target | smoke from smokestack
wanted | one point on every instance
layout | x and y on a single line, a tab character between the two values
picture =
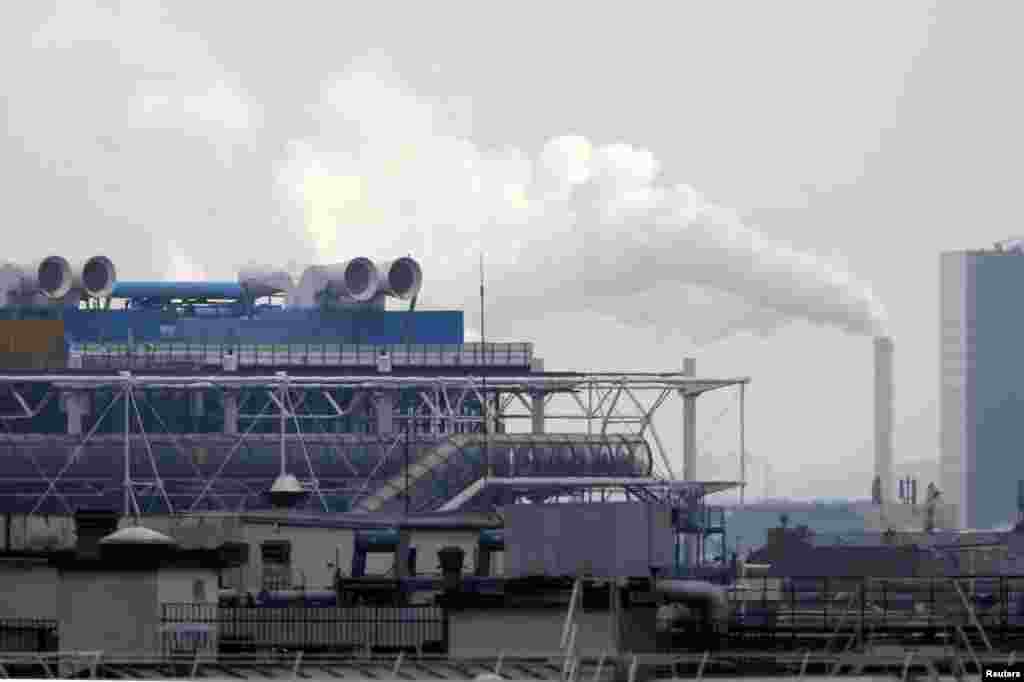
579	227
576	226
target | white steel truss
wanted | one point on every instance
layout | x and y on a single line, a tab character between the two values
607	403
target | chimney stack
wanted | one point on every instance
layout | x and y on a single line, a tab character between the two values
883	415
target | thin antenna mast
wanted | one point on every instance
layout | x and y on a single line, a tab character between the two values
483	348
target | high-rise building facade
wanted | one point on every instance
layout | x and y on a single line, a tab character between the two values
982	383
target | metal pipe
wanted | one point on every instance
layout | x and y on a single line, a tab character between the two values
707	595
127	452
743	443
54	277
96	277
356	279
262	280
504	383
400	278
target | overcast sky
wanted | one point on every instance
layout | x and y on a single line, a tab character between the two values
760	185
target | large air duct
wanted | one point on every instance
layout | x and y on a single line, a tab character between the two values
400	278
260	280
883	417
97	277
17	284
54	277
357	280
311	284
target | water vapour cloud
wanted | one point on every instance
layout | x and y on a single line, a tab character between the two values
576	226
128	135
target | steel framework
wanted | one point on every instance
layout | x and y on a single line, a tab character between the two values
453	431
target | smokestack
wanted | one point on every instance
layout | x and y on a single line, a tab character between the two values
883	415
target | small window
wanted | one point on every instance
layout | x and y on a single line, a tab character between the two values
199	590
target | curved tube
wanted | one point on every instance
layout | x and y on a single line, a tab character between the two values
311	283
356	279
54	277
400	278
712	598
97	277
16	283
262	280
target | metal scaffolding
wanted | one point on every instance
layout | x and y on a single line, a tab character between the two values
169	467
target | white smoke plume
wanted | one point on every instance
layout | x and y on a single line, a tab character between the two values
577	227
126	134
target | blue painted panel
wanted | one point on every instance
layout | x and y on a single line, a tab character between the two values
177	290
370	328
112	325
998	390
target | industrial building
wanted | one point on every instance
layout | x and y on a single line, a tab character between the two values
981	376
265	403
318	472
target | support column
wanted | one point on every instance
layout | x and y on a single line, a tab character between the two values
402	550
615	617
690	541
384	404
689	425
537	411
537	399
76	405
231	412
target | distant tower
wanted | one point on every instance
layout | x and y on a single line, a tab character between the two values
981	374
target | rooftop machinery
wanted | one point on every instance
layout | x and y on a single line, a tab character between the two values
355	282
342	303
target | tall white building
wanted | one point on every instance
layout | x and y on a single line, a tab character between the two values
982	383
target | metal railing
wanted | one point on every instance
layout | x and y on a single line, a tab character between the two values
556	666
914	608
143	355
28	634
296	628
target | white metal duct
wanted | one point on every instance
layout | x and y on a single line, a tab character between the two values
96	277
356	279
54	277
401	278
263	280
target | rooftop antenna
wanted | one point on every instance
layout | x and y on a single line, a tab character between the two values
483	349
